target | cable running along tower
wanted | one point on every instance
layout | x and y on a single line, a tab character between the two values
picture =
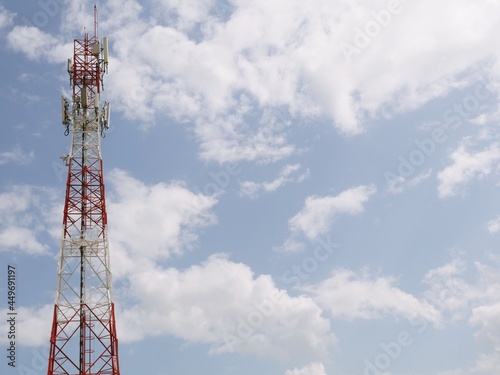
83	338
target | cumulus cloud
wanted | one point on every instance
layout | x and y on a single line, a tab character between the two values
447	289
318	212
221	71
219	65
315	368
26	214
152	222
317	215
472	300
466	166
485	318
6	17
398	184
35	323
16	156
347	295
31	41
457	293
286	175
231	138
223	304
493	226
219	302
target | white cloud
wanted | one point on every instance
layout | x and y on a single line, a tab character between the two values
22	238
451	292
6	17
26	214
30	40
494	225
185	15
315	368
37	44
486	364
219	303
251	188
220	77
201	62
466	166
399	184
33	325
347	295
488	336
487	317
317	215
151	223
17	156
448	291
223	304
231	138
291	245
476	302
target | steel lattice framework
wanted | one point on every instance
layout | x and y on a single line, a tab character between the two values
83	337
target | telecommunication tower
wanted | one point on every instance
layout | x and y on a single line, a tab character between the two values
83	339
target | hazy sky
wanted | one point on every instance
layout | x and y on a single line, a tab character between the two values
293	187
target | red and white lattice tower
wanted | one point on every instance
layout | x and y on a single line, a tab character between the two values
83	338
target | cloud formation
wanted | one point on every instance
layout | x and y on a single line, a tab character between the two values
472	300
252	188
219	302
35	323
16	156
6	17
347	295
315	368
466	166
152	222
318	214
223	304
216	65
27	213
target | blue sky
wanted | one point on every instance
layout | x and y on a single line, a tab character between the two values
293	188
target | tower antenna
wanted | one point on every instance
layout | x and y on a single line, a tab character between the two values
96	22
83	338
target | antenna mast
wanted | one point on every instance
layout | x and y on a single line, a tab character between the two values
95	21
83	339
